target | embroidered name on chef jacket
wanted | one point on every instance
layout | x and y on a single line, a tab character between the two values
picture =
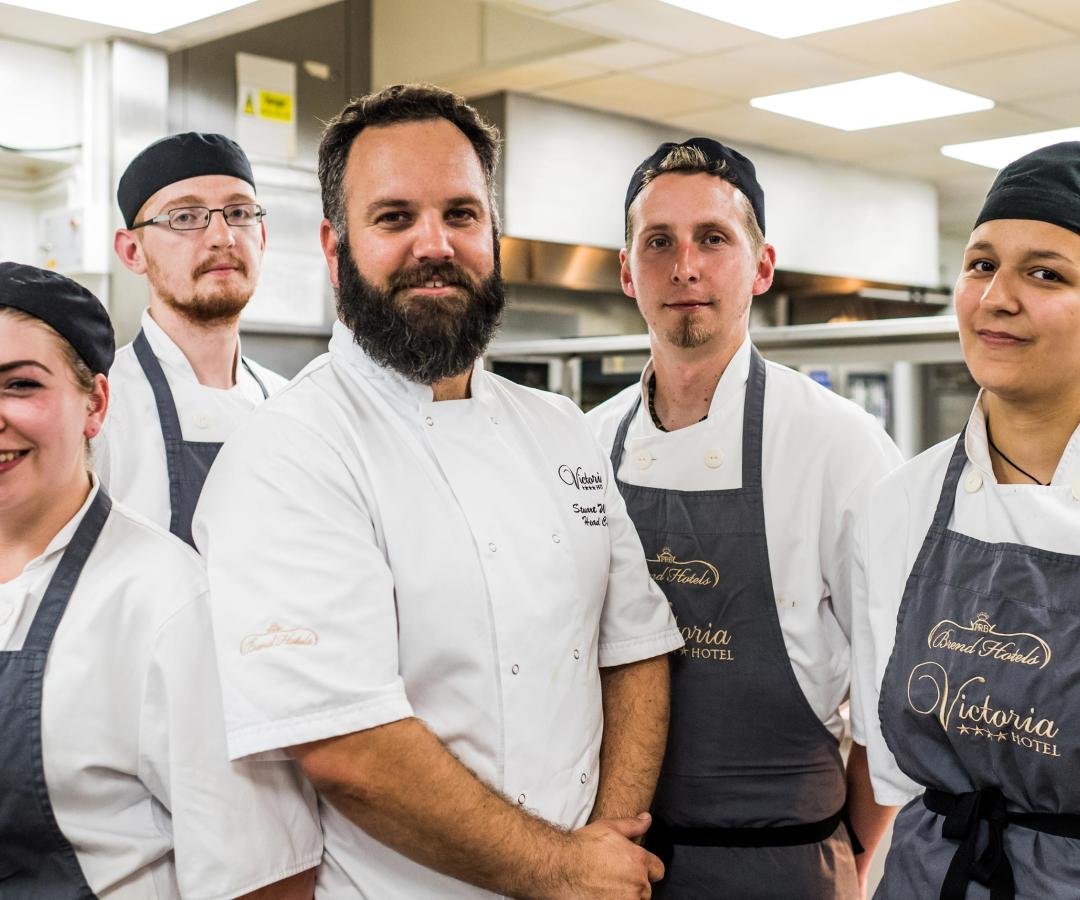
593	514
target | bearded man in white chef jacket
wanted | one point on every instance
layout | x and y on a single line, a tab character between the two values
426	588
742	478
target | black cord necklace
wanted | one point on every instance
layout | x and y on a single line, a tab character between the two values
997	450
652	405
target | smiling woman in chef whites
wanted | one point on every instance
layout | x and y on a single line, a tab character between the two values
114	780
967	687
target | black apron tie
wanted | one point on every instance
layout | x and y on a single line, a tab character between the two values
963	815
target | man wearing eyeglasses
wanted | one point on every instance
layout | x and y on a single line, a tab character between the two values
196	231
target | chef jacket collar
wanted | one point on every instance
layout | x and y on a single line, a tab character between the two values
731	382
977	448
169	353
63	537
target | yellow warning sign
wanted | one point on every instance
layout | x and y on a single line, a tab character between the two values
249	106
275	106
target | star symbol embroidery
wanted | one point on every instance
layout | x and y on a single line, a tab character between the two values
979	731
964	729
1001	735
683	651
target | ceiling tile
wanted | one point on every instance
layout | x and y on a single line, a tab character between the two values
1062	109
633	96
1014	76
618	56
1001	121
941	36
766	67
929	165
511	36
658	23
740	123
542	74
544	6
1060	12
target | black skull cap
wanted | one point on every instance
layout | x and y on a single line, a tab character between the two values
736	168
66	306
175	158
1043	185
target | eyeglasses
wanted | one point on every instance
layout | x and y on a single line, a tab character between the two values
194	218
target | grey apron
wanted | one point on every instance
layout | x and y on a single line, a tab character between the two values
36	860
188	461
751	793
980	705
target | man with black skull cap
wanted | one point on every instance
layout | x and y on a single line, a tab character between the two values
741	477
194	228
441	608
966	687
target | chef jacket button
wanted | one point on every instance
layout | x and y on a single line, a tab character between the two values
1076	489
577	654
521	799
643	459
584	777
973	482
201	420
492	547
515	668
429	420
555	538
713	458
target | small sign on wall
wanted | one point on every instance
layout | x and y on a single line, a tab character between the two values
266	107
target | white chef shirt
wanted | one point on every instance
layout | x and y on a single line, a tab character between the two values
890	533
376	555
129	453
134	750
821	455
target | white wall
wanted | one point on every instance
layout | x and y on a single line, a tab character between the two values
566	171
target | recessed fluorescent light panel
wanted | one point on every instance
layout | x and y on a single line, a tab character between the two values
792	18
1001	151
873	102
133	15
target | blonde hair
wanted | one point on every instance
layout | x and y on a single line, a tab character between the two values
689	160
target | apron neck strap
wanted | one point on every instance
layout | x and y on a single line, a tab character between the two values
947	498
753	421
163	399
66	576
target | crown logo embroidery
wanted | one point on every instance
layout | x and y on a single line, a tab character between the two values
981	622
665	556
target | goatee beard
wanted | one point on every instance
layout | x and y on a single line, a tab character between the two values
424	339
221	308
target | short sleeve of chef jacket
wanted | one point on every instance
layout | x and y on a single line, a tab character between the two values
289	545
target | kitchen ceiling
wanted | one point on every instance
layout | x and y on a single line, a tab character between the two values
651	60
663	63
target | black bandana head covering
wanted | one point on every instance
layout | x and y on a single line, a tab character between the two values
1043	185
175	158
69	308
739	171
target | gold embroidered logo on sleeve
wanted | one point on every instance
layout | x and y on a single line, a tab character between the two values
276	636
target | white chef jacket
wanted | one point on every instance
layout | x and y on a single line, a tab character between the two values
134	749
890	533
821	455
376	555
129	452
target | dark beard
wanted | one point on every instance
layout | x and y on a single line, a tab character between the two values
424	339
